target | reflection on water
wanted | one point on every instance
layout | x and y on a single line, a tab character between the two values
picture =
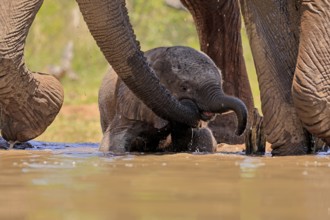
78	182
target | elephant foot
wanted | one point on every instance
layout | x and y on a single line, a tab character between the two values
203	141
22	146
318	145
29	102
292	150
7	145
255	140
302	145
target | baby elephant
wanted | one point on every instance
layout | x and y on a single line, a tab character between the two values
193	78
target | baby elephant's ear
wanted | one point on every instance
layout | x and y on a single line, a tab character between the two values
157	60
161	67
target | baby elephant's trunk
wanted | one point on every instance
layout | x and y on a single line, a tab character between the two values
222	103
227	103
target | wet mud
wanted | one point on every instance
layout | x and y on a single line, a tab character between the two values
75	181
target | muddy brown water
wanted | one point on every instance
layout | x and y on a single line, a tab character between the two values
75	181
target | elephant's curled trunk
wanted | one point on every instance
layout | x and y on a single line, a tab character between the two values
227	103
219	102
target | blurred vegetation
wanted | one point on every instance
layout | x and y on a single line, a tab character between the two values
60	21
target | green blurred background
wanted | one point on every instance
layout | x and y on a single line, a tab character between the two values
59	22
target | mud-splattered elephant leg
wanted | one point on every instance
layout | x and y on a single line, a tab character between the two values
203	141
126	135
255	139
218	23
187	139
119	136
273	30
311	83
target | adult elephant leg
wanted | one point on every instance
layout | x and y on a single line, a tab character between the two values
272	27
311	84
29	101
109	24
218	25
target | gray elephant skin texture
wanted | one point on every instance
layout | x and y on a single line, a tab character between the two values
289	42
191	77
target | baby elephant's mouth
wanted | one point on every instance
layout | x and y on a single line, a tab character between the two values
207	116
204	115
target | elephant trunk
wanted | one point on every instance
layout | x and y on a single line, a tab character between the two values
311	83
227	103
218	102
109	24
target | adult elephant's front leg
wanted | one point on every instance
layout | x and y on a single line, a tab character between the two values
273	30
218	24
311	85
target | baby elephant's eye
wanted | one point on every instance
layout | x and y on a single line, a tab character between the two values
184	88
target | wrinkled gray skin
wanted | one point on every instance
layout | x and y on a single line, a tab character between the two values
290	45
29	101
191	77
289	42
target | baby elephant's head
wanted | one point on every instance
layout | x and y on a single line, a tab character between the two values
192	75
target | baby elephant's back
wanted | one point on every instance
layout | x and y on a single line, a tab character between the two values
115	98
